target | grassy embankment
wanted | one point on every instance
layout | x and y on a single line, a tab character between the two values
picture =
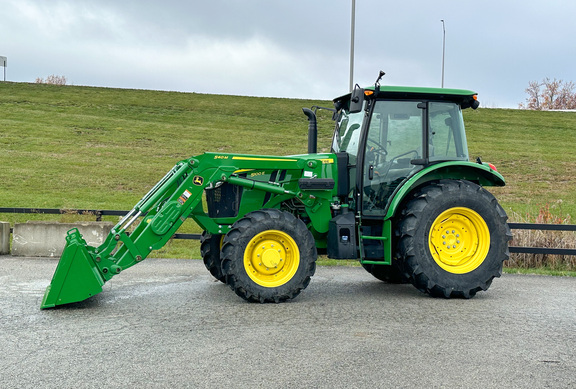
101	148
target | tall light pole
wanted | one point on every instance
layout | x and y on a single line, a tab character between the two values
352	24
443	48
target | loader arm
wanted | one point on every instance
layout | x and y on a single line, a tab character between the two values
83	269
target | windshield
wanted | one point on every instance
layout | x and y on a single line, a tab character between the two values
347	134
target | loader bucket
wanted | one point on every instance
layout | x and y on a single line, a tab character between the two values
76	277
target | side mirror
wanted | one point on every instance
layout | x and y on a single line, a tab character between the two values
357	99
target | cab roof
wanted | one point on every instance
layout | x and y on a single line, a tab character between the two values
410	92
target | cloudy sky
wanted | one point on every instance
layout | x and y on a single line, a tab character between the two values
290	48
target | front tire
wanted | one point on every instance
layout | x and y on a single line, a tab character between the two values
452	239
210	250
268	256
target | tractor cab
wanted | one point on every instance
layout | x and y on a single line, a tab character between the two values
392	133
396	140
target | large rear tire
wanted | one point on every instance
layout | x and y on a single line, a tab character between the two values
268	256
210	250
452	239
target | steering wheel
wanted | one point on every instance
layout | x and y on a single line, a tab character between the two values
378	149
375	153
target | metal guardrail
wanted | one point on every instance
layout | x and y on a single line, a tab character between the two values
542	227
514	226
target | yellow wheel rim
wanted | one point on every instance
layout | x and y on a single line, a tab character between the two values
271	258
459	240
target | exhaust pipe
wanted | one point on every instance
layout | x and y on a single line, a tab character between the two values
312	131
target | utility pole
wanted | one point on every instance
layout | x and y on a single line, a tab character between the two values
443	48
352	24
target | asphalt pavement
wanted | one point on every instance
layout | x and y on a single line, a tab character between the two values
166	323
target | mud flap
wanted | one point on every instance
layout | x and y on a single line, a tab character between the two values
76	277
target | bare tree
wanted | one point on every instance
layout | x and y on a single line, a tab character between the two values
566	97
534	96
52	79
550	94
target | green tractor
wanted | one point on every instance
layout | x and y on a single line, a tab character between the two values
397	192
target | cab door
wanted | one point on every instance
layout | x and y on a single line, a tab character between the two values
392	149
393	143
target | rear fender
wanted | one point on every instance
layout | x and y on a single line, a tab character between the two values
481	174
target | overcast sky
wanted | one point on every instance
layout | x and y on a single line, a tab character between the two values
290	48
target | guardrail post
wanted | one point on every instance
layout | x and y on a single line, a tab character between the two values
4	238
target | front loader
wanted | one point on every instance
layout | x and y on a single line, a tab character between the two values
397	192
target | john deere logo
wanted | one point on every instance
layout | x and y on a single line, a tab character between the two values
198	180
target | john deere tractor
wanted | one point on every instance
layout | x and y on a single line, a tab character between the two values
397	192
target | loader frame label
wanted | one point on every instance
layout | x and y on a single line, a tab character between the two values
185	196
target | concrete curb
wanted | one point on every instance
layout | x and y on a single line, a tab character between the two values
47	239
